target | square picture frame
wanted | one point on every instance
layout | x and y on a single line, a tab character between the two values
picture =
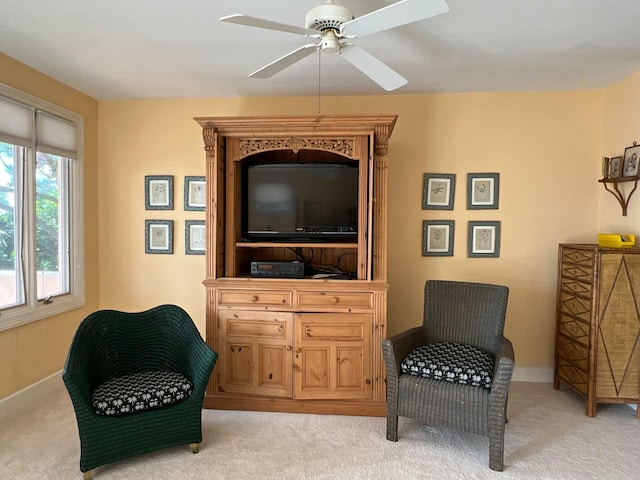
195	193
483	239
195	237
437	238
631	159
483	191
438	191
615	167
158	192
158	237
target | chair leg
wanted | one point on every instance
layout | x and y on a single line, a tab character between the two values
195	447
392	427
496	447
88	475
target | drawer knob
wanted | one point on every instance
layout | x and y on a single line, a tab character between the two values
254	298
335	299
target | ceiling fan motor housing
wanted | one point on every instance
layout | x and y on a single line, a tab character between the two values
328	16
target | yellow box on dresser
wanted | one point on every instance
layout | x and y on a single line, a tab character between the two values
597	347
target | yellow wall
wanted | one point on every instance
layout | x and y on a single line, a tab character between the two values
546	147
34	351
621	127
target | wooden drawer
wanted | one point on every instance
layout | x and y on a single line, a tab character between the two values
575	329
575	306
569	351
264	298
335	300
577	264
255	324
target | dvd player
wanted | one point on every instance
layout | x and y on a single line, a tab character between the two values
277	269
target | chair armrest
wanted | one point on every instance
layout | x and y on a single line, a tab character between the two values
200	361
505	362
397	347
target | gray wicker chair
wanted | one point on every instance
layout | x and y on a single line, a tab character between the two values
460	314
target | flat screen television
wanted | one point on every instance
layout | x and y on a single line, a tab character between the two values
297	202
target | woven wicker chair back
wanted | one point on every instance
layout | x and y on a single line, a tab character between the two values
465	312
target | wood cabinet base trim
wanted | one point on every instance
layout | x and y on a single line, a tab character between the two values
364	408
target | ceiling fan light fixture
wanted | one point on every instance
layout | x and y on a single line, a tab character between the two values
328	16
330	42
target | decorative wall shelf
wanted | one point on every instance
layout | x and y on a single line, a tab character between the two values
623	199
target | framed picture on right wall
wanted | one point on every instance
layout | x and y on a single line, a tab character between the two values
483	191
483	239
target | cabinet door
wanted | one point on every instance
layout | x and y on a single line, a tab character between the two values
256	352
332	357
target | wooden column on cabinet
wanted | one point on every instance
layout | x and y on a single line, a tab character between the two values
341	322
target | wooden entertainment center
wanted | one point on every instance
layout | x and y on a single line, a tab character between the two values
296	344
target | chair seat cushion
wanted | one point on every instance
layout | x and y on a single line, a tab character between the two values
140	391
452	362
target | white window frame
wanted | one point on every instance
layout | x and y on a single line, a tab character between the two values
35	309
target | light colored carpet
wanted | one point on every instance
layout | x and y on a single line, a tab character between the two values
548	437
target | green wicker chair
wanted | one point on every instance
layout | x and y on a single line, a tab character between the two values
110	345
455	369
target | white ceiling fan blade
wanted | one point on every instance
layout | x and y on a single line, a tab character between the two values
249	21
394	15
285	61
373	68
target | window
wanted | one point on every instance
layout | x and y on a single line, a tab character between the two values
41	196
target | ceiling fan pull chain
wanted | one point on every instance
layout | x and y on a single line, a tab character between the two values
319	76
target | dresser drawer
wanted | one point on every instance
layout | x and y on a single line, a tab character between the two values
575	329
255	323
347	300
571	352
577	264
258	298
573	305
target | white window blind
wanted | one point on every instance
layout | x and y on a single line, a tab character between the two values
55	135
16	122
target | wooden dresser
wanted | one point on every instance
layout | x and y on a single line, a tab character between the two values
597	345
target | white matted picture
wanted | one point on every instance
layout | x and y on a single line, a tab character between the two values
438	191
195	237
483	191
158	236
484	239
630	162
158	192
437	238
195	193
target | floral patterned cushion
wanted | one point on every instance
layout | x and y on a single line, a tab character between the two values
452	362
140	391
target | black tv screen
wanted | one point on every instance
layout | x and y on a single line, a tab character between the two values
300	202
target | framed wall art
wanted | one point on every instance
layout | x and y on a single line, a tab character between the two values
195	193
438	191
483	191
437	238
630	162
158	236
195	237
483	239
158	192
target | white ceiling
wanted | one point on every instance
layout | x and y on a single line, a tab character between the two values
124	49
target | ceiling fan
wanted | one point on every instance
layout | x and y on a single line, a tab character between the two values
335	28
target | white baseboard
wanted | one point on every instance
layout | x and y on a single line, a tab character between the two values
18	401
524	373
